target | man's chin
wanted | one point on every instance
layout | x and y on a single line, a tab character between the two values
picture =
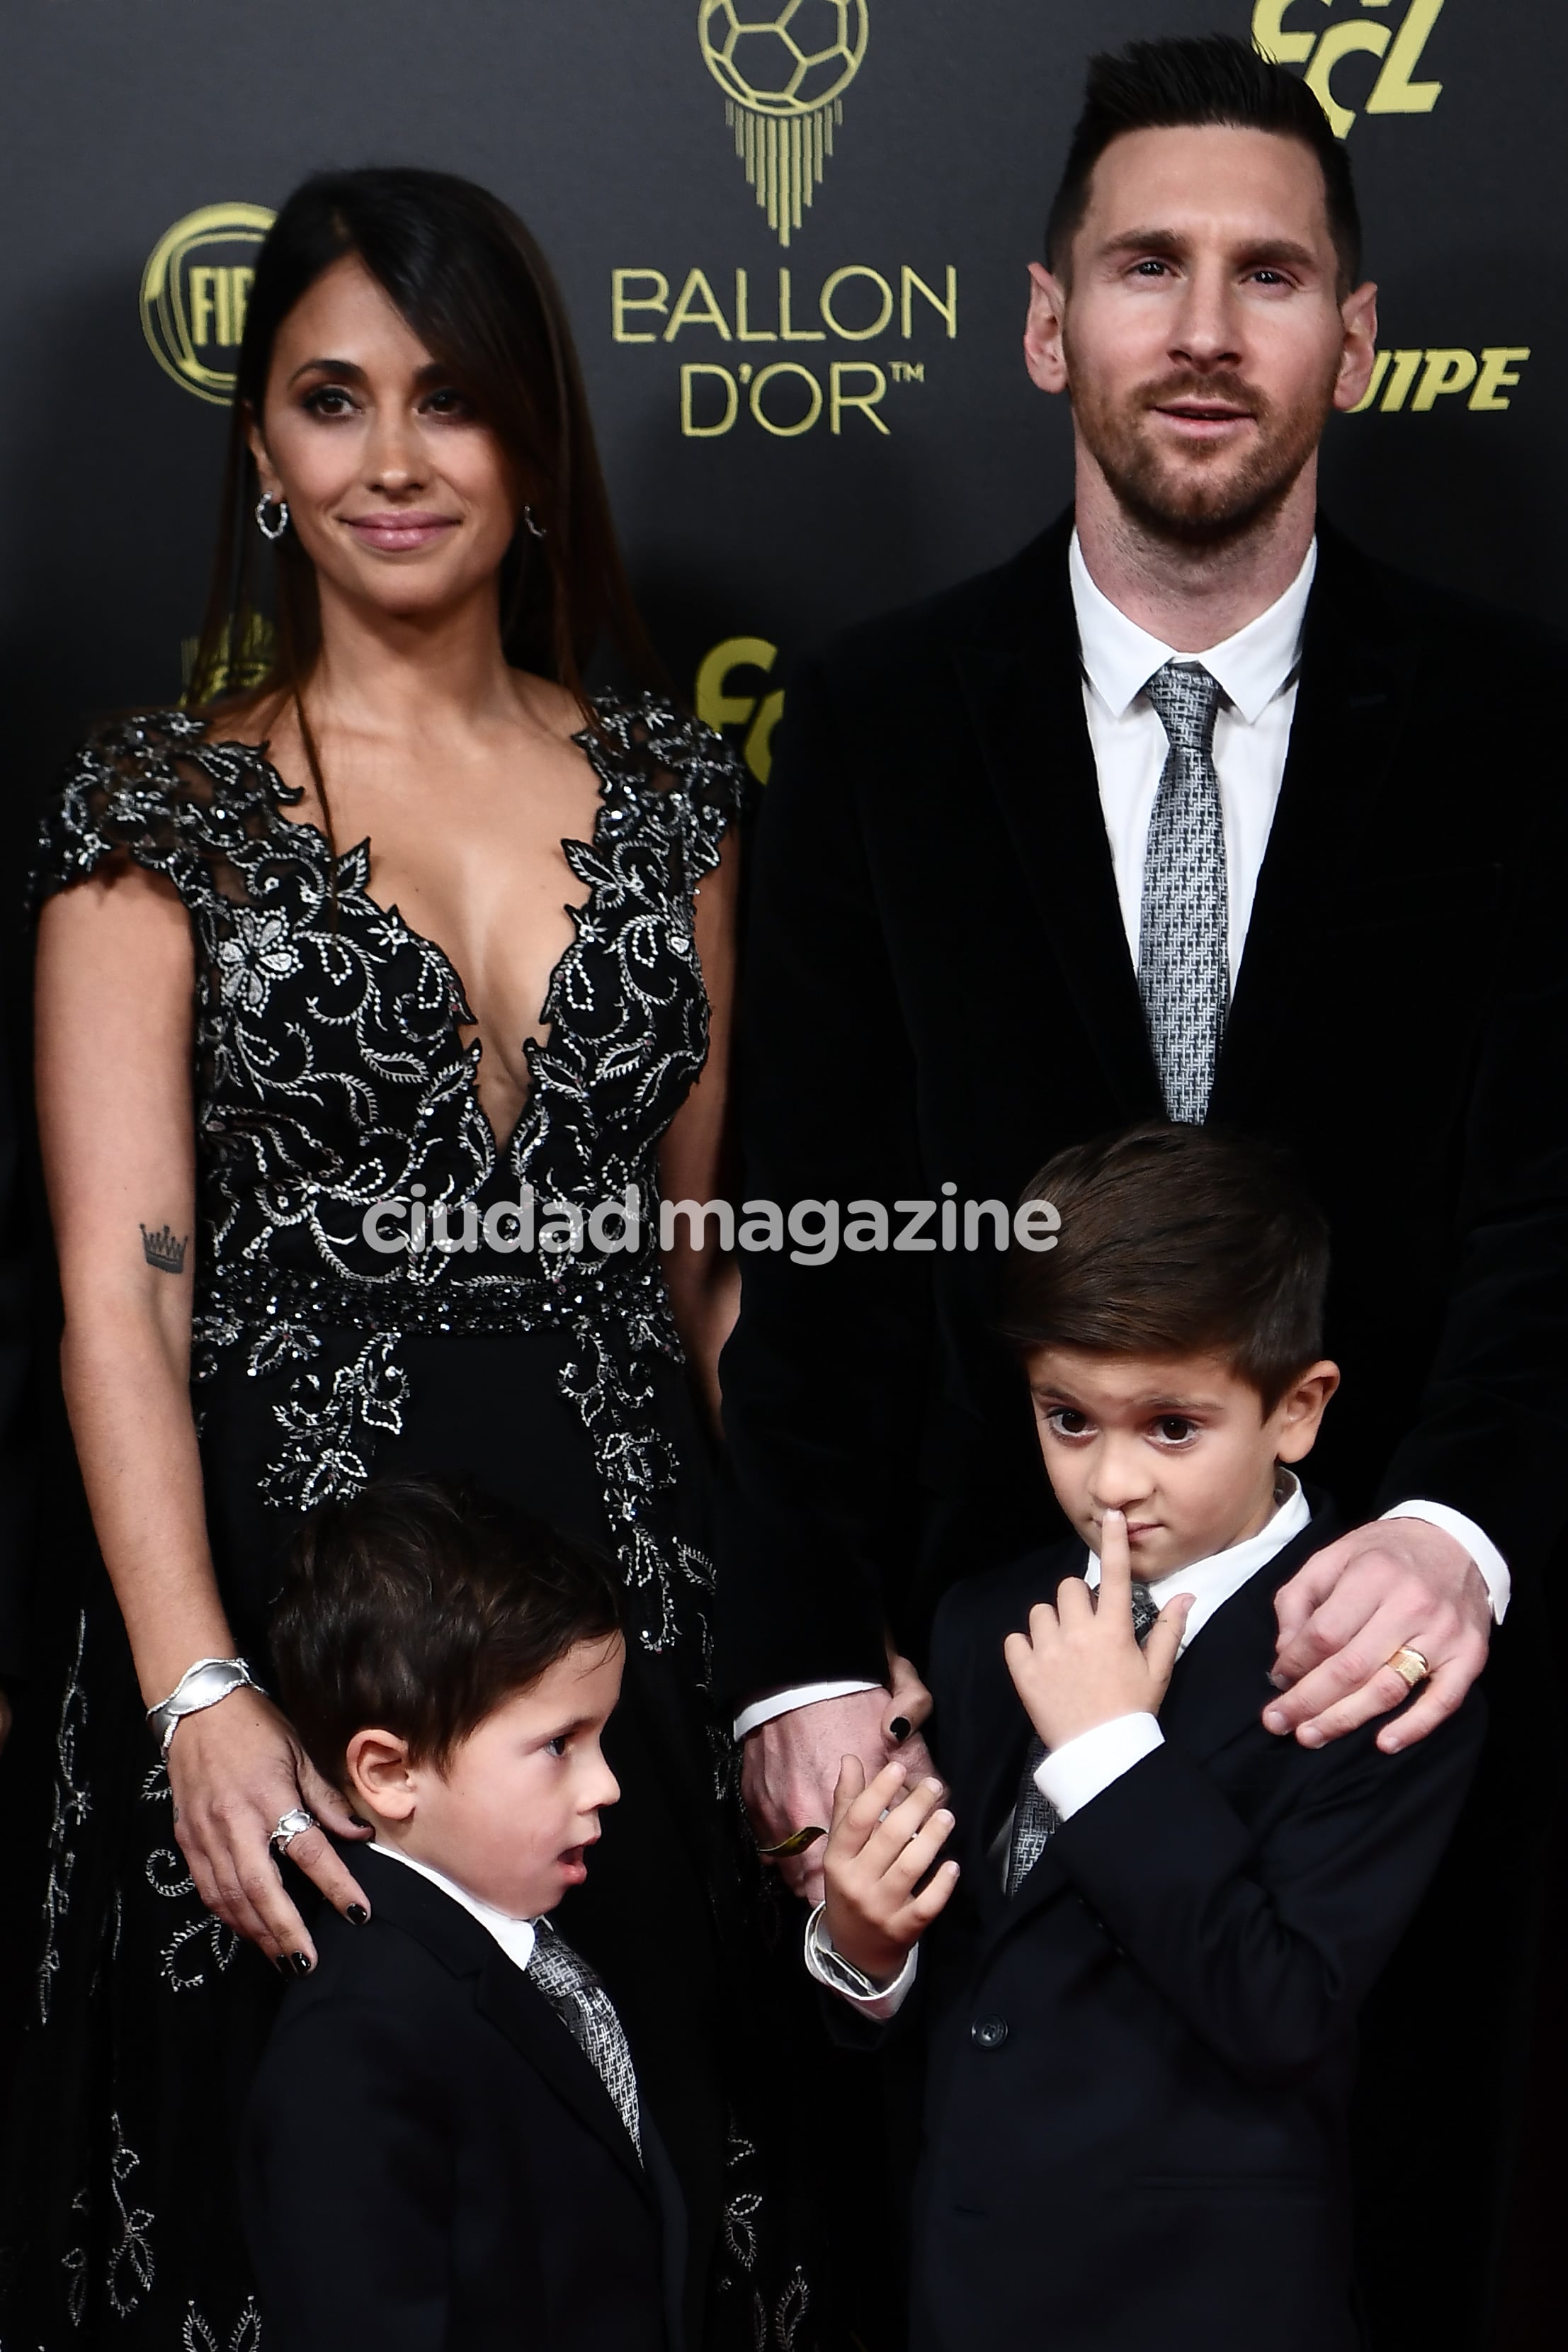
1199	511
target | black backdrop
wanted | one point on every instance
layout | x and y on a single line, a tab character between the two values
603	122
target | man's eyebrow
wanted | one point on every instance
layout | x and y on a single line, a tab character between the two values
1260	252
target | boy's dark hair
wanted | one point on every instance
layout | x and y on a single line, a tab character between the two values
1176	1241
419	1606
1177	85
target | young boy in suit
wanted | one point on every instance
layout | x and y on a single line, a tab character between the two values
445	2145
1143	2010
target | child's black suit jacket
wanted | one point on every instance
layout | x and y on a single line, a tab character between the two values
1142	2062
432	2165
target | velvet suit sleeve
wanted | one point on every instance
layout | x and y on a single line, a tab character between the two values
1493	1422
822	1376
1266	1943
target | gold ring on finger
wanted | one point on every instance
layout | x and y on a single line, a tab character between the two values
1410	1666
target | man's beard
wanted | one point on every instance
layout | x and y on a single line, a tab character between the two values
1200	497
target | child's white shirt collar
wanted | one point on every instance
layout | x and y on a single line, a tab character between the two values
516	1937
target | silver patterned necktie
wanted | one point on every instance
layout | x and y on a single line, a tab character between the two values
587	2012
1183	966
1035	1819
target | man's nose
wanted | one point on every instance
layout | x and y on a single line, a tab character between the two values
1207	328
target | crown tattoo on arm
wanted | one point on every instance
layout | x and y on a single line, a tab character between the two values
163	1250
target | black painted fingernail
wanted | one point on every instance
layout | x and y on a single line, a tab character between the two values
357	1914
901	1727
299	1964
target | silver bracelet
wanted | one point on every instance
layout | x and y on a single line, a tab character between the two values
200	1686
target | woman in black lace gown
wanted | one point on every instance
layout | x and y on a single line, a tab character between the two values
293	1143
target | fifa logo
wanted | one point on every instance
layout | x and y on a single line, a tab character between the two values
783	67
194	294
1399	46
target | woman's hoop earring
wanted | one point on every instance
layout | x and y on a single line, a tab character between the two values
538	529
272	518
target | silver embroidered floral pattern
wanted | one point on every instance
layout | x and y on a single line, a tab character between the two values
331	1075
72	1805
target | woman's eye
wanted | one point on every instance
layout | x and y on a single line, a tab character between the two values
330	400
448	402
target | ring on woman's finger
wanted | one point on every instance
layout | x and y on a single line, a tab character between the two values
290	1825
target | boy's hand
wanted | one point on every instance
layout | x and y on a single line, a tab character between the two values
873	1866
1080	1665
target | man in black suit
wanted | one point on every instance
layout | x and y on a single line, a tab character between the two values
1143	2010
1189	808
445	2144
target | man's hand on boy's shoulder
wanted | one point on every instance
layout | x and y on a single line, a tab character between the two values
1080	1665
1394	1585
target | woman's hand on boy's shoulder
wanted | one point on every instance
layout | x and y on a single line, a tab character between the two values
1080	1664
885	1838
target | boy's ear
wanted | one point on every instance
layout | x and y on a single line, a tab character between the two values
1299	1413
380	1779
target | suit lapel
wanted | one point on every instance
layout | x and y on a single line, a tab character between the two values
503	1993
1022	683
1357	674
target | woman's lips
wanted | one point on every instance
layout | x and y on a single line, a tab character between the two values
398	534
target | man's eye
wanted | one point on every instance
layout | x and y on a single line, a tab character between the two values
1150	268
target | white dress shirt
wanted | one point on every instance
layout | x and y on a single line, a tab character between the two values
516	1937
1257	670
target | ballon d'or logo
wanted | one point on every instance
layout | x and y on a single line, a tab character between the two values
783	67
194	293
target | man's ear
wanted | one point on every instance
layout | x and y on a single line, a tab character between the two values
380	1779
1358	312
1299	1414
1042	353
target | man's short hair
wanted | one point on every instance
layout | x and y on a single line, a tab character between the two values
1179	85
1176	1241
419	1606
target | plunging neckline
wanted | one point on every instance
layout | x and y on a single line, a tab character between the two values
502	1149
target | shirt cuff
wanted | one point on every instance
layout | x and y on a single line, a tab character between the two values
878	2003
1077	1771
785	1702
1493	1568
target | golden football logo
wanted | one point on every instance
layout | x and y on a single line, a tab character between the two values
783	67
194	294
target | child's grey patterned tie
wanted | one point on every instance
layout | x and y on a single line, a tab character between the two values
1035	1818
1183	971
587	2012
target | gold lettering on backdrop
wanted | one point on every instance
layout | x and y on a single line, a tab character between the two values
686	313
787	432
841	278
1400	46
947	309
843	399
194	290
1501	363
623	300
689	426
743	330
787	333
1443	372
718	709
783	68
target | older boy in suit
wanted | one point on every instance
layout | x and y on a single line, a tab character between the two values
446	2145
1144	2017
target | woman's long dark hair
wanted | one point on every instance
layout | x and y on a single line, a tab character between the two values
474	288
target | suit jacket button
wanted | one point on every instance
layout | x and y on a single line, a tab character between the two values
989	2033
